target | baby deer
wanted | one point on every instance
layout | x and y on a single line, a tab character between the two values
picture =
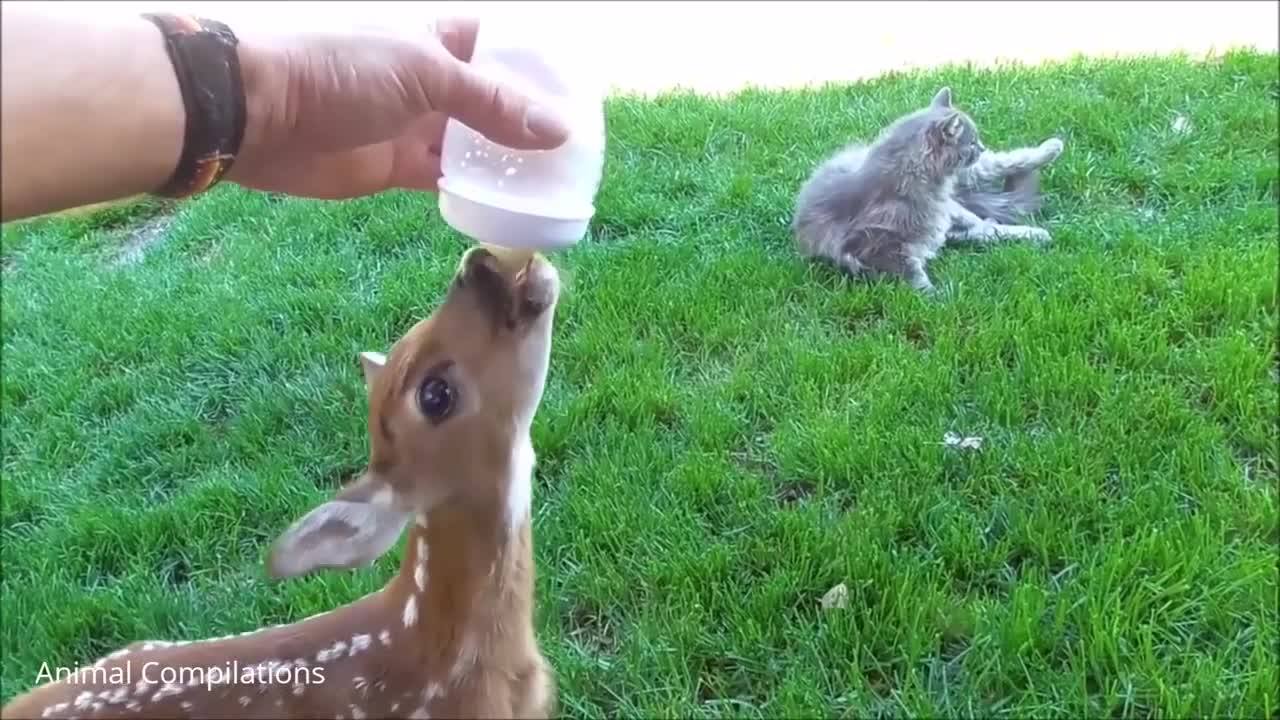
451	635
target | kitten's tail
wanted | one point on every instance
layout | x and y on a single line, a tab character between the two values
1020	196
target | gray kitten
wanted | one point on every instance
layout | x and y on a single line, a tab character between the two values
890	206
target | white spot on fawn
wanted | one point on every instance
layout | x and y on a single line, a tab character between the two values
356	713
411	611
332	653
520	484
186	705
134	706
244	701
142	688
118	695
395	706
384	637
83	699
420	572
166	691
359	643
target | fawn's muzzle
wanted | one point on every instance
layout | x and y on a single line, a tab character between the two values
510	294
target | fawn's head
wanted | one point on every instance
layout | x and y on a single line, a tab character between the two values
450	408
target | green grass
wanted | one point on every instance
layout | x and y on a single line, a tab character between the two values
729	431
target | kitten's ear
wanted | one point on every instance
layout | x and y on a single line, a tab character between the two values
943	98
953	127
946	130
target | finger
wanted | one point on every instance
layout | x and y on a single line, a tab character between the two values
430	130
415	158
458	35
499	112
416	167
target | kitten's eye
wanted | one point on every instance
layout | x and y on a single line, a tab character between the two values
435	398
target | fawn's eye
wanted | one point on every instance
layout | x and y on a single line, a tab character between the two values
435	398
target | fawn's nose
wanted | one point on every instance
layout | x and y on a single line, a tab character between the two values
538	284
473	260
510	291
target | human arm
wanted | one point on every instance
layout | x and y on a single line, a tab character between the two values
328	115
91	111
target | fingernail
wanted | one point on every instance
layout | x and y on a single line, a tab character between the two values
546	124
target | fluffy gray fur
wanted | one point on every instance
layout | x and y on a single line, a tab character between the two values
927	180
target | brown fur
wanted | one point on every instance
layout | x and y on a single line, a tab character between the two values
467	647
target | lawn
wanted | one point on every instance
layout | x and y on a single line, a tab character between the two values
729	431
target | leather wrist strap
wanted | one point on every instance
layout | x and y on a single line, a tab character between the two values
207	65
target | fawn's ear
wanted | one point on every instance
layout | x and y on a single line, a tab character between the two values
943	98
372	362
350	531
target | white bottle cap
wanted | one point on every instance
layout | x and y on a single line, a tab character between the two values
489	223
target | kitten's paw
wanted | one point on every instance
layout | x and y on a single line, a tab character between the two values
849	263
1050	149
1039	236
924	287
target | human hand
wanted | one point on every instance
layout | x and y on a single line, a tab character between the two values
344	115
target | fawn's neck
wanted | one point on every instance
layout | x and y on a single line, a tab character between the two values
465	588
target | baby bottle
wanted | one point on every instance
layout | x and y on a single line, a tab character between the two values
526	201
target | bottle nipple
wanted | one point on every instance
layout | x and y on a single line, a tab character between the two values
511	259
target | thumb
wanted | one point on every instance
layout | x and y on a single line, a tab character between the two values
498	111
